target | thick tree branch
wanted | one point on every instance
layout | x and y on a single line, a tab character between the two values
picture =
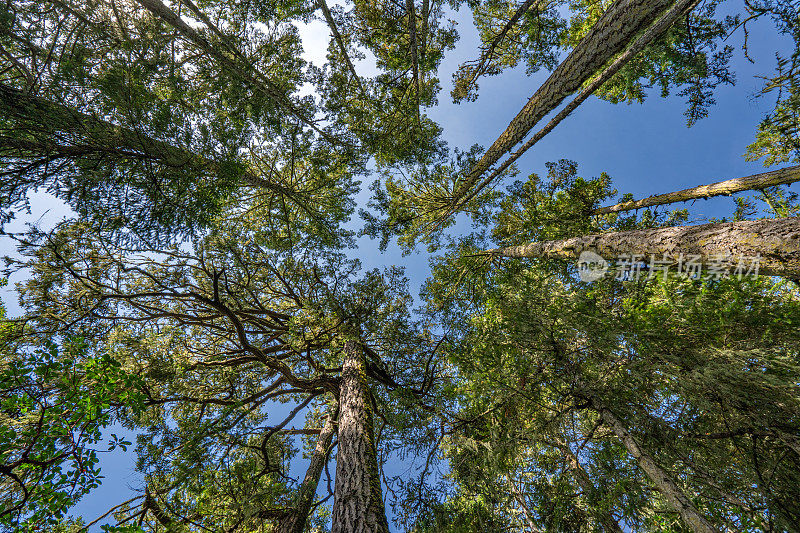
720	188
775	241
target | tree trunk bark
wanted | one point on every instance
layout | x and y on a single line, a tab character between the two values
660	478
717	245
523	505
326	12
412	37
357	499
151	504
607	38
720	188
642	41
295	521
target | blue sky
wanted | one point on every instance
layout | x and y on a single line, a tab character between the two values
646	149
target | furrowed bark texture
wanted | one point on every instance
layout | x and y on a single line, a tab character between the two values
607	38
357	500
660	478
658	28
295	521
720	188
777	241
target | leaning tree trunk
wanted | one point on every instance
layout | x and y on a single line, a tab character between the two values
295	520
337	36
612	33
151	504
720	188
660	478
526	511
357	500
718	245
60	131
667	19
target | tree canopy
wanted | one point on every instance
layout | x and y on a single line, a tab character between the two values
204	308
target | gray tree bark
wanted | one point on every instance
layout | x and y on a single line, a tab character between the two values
357	499
642	41
720	188
660	478
608	37
776	241
295	521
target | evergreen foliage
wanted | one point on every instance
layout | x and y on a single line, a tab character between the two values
203	299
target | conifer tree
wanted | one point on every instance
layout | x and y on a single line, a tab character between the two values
204	295
649	386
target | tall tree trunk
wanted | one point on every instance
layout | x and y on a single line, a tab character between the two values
337	36
609	524
679	8
777	241
78	133
295	521
720	188
660	478
610	36
357	499
523	505
151	504
412	37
